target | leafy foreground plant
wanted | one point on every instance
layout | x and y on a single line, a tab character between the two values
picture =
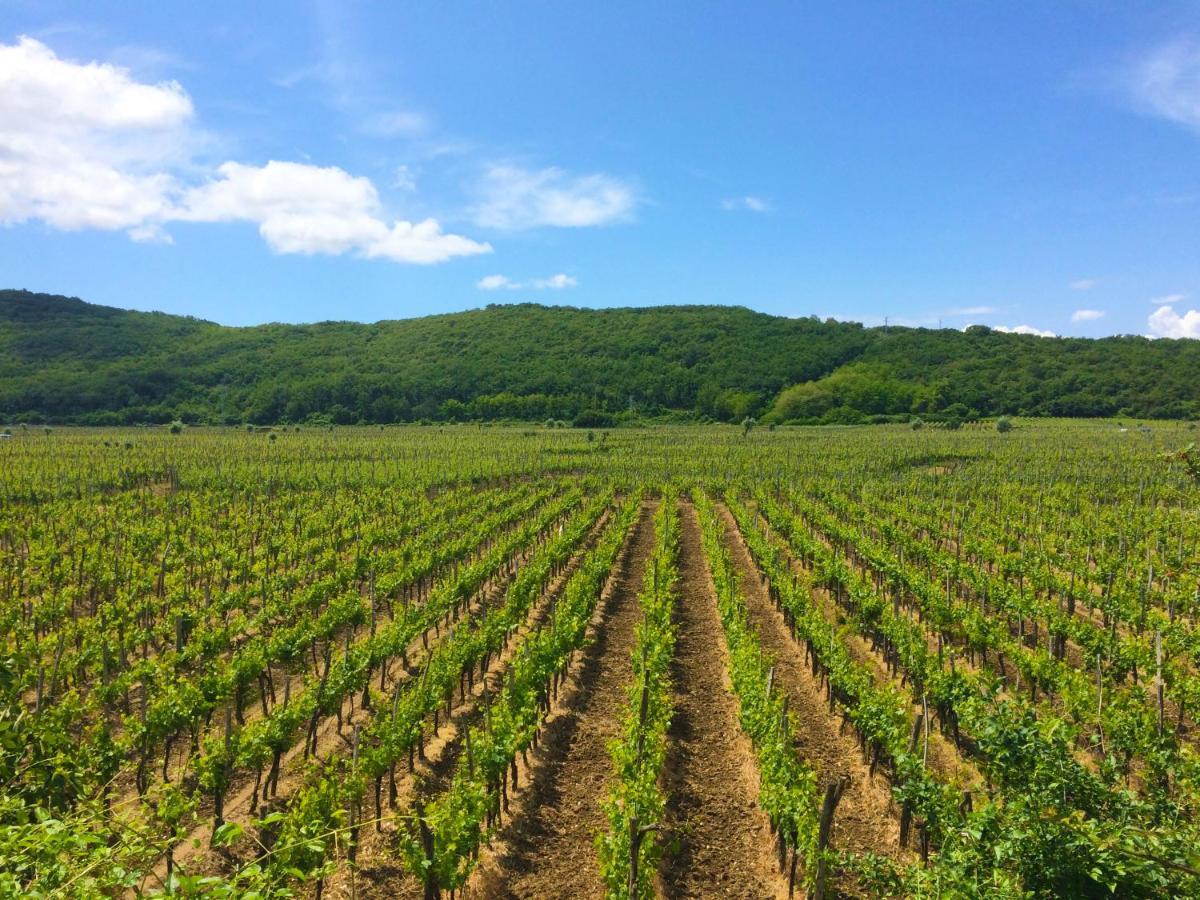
635	804
788	787
441	842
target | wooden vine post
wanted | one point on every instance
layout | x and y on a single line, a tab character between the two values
833	794
1158	677
432	892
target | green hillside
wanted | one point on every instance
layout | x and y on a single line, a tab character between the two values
63	360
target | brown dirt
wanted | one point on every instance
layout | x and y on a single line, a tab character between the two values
864	819
380	873
717	842
943	758
193	852
548	848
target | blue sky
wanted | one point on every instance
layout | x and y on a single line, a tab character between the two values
1010	164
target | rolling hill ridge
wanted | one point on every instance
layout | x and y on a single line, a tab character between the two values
66	361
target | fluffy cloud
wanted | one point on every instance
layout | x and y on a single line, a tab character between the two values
301	208
1165	322
87	146
84	146
1084	284
1024	329
1166	82
516	199
753	204
503	282
495	283
1087	315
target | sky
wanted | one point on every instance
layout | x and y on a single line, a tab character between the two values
1024	166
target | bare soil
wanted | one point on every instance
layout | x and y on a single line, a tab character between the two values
547	850
865	818
193	852
717	841
942	756
381	874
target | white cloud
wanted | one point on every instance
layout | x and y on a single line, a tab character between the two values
1087	315
515	199
86	146
395	124
503	282
971	311
301	208
52	95
1169	299
83	146
1165	322
495	283
1024	329
1166	82
753	204
554	282
1084	284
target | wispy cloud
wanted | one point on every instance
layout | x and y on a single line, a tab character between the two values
516	199
1084	284
1169	299
404	179
1024	329
345	77
749	203
1165	81
398	123
1087	315
971	311
1165	322
502	282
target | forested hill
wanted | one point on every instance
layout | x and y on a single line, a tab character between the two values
63	360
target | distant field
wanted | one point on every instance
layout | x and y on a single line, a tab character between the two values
506	662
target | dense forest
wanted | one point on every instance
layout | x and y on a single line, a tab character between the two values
66	361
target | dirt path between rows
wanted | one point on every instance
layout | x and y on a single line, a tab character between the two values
548	848
864	819
942	756
381	873
717	842
193	853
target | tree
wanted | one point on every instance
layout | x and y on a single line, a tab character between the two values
1190	457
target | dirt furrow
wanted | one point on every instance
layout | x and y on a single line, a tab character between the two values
864	819
379	871
942	756
333	739
717	841
548	847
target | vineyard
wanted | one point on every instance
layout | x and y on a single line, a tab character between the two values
472	661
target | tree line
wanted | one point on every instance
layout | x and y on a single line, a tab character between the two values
66	361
